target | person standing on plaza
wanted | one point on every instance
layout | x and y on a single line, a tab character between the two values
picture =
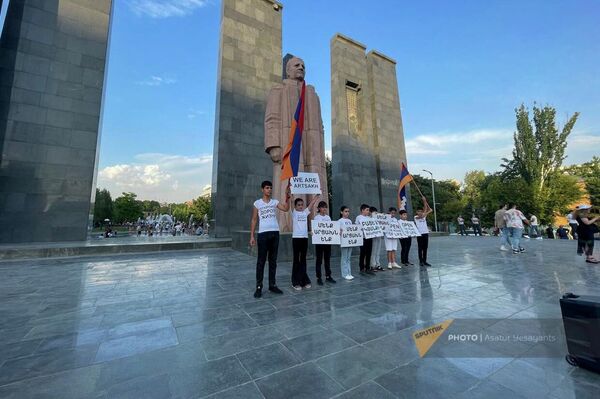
585	232
514	221
346	253
534	231
377	243
461	225
264	213
322	251
423	239
571	219
391	244
562	233
364	259
476	226
300	214
550	232
405	243
500	224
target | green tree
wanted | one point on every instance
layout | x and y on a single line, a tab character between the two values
473	185
127	208
201	206
181	212
103	206
590	173
448	198
151	206
537	158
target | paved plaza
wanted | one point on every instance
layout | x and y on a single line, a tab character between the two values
185	325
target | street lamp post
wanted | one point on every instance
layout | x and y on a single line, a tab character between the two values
433	194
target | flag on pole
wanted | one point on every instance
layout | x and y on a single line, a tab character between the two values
405	178
291	157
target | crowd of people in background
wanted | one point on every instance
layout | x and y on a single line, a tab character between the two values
166	225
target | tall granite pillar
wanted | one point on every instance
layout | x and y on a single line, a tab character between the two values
387	125
249	65
367	134
353	145
52	64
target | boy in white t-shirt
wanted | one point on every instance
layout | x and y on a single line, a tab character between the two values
423	239
264	213
323	251
391	244
300	242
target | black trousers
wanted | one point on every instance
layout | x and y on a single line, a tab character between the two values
405	249
422	244
364	259
299	276
268	245
461	228
476	229
323	253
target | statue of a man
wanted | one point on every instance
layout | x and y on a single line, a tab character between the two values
281	106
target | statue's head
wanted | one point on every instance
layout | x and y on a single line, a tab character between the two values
294	69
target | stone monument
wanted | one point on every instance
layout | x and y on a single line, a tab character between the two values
52	65
367	133
281	106
249	65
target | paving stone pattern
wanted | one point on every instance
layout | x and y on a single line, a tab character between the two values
185	325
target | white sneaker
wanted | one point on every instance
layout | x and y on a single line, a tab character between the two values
349	277
503	248
297	287
390	265
397	266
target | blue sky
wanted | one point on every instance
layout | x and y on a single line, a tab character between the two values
463	66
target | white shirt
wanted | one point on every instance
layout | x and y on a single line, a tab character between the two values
345	222
571	220
514	218
300	223
475	220
534	221
422	225
267	219
319	218
461	221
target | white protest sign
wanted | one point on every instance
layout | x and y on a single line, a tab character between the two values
325	233
393	230
409	228
306	183
383	219
371	228
352	236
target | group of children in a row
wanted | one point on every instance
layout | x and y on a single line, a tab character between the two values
370	251
264	215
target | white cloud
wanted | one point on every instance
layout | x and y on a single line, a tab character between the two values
444	143
194	113
449	155
162	177
157	81
165	8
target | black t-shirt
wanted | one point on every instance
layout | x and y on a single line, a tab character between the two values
585	231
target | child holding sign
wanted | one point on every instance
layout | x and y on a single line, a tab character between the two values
323	251
376	251
364	260
405	243
345	252
391	243
300	243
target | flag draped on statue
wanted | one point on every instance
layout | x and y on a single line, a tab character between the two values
405	178
291	157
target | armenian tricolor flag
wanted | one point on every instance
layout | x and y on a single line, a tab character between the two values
405	178
291	157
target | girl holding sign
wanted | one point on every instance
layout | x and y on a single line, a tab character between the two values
323	251
391	243
345	252
300	242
